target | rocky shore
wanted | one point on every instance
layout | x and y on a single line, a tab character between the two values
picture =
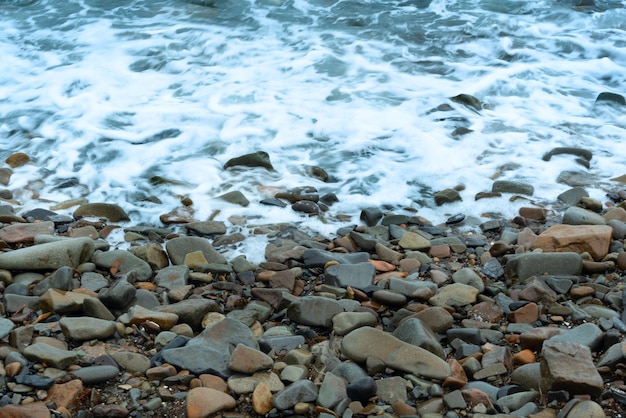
390	317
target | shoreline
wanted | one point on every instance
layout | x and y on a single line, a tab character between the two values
394	317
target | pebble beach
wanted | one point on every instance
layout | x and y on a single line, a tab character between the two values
389	316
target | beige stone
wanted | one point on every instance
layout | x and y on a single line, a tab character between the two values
593	239
262	399
203	402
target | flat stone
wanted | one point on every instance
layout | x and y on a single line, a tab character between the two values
203	402
112	212
33	410
25	232
85	328
359	275
123	262
319	258
52	356
415	332
172	277
248	360
566	365
344	322
132	362
587	334
190	311
575	215
314	311
49	256
332	391
469	277
138	315
297	392
245	384
593	239
367	342
455	294
526	265
93	375
178	248
413	241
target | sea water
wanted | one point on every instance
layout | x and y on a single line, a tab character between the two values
105	96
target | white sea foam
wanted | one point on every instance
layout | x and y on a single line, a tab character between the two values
107	95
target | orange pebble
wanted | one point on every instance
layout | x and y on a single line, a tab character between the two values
524	357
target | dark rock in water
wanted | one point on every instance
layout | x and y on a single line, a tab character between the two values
255	159
299	193
572	196
468	100
395	220
447	196
38	214
317	172
329	198
306	206
460	131
112	212
611	98
272	201
579	152
371	216
576	178
455	219
235	197
505	186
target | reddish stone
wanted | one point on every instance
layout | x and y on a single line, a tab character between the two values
32	410
66	394
593	239
486	312
440	251
527	314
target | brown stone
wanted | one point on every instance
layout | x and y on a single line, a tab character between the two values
66	394
203	402
32	410
616	213
581	291
248	360
593	239
476	396
486	312
527	314
262	399
214	382
440	251
17	160
536	214
538	291
566	365
524	357
283	279
21	232
534	338
110	411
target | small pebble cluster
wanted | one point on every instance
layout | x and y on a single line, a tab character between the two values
391	317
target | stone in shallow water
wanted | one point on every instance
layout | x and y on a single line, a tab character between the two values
367	342
112	212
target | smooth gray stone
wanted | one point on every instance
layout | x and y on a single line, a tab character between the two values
14	302
332	391
95	308
21	289
172	277
52	356
360	275
455	243
318	258
147	299
587	334
118	295
415	332
93	375
93	281
407	287
366	242
300	391
314	311
517	400
488	388
125	262
527	376
61	279
199	359
206	227
515	187
6	325
49	256
132	362
597	311
619	228
575	215
527	265
349	371
492	269
178	248
84	328
525	410
613	355
573	195
281	344
469	277
256	310
454	400
560	284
